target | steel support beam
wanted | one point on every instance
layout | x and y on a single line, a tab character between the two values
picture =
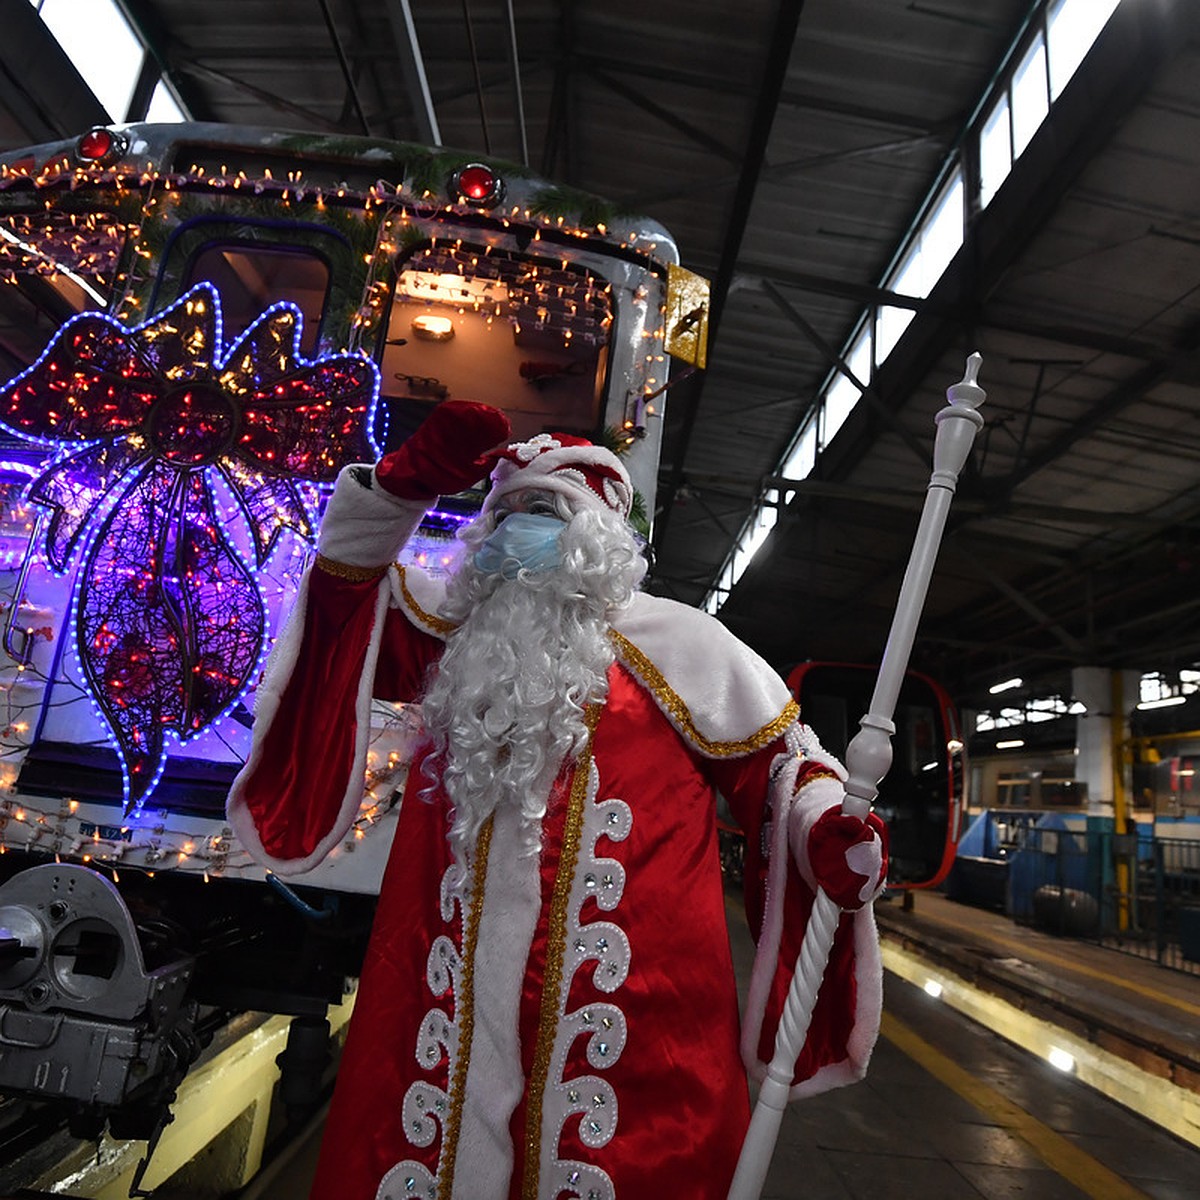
881	410
315	119
39	86
680	124
558	117
688	395
171	59
1123	64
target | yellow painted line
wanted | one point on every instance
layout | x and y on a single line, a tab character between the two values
1063	1157
238	1078
1024	949
1166	1104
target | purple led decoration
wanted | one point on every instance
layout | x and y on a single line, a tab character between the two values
170	621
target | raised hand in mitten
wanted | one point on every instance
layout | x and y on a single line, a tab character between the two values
849	857
446	454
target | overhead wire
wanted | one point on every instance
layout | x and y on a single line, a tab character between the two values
466	9
518	95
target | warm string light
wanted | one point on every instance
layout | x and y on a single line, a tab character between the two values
244	488
67	833
160	190
543	295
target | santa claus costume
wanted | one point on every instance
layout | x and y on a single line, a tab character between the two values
548	1007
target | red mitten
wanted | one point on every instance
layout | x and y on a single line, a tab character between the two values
446	454
849	857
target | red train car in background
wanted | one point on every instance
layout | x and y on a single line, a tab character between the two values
922	797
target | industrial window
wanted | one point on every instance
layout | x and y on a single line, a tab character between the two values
995	150
98	40
1071	28
1046	66
1063	32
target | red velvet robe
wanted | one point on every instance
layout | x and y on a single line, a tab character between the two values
570	1027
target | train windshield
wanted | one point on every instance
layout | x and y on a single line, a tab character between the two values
526	333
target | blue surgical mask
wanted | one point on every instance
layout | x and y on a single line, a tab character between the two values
521	541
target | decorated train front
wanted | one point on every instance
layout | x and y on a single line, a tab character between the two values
200	326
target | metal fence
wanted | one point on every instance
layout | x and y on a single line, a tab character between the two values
1137	894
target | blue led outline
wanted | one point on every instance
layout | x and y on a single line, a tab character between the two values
104	503
139	477
229	508
264	553
84	550
19	468
298	360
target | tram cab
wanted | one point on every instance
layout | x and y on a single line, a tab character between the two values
201	325
921	797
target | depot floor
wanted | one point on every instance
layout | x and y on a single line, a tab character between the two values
949	1109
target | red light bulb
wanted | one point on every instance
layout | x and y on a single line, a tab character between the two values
478	183
95	145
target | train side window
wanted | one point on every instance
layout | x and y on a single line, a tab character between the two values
251	277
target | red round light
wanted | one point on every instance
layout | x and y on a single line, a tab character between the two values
95	145
478	183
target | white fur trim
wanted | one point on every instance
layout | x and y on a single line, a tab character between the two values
270	693
729	694
366	527
495	1081
792	817
766	953
550	471
719	695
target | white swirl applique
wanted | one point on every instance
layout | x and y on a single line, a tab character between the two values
425	1106
405	1181
615	494
604	944
526	452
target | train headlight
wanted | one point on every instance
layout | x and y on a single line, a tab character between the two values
100	145
478	184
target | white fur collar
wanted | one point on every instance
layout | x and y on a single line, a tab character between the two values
722	697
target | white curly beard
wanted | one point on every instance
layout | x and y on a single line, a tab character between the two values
507	706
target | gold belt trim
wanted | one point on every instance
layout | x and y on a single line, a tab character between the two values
431	621
556	945
353	574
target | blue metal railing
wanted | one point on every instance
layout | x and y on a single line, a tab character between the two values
1075	876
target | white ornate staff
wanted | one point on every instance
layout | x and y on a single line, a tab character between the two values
868	758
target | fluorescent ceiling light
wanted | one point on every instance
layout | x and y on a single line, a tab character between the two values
1006	686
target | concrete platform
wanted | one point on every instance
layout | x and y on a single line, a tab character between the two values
952	1111
1133	1026
960	1103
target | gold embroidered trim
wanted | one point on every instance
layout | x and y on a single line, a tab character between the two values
817	773
434	624
353	574
464	1006
673	704
556	945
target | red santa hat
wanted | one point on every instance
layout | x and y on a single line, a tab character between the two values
566	465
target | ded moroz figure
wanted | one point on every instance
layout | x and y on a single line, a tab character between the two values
548	1006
